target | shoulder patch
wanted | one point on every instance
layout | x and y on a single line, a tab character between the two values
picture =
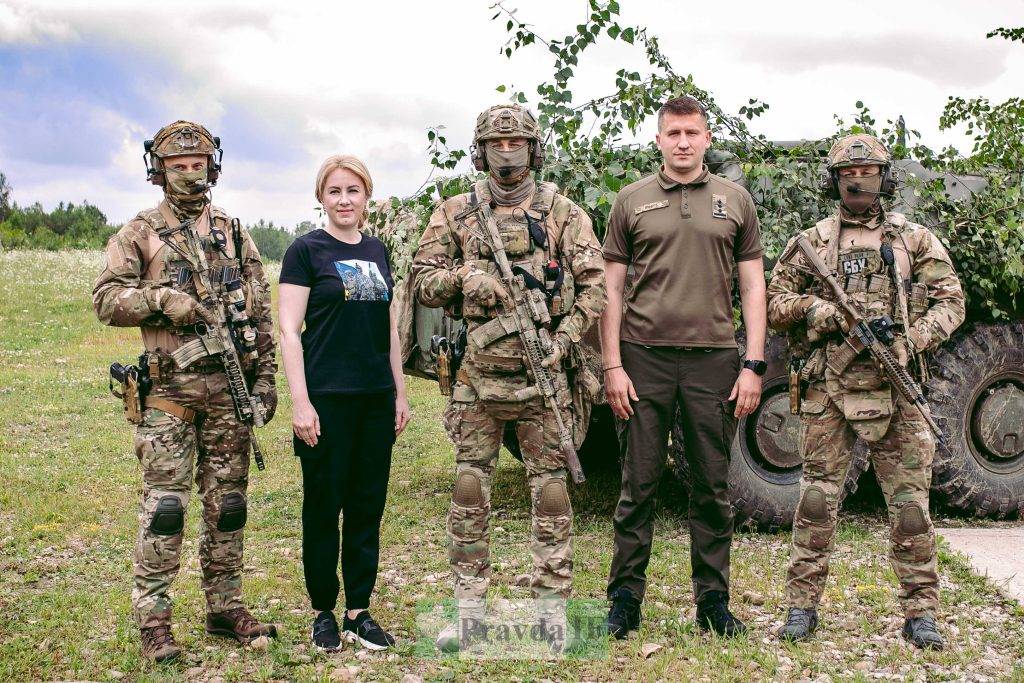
650	206
718	204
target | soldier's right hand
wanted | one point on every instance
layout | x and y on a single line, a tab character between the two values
305	422
481	287
181	308
618	387
823	317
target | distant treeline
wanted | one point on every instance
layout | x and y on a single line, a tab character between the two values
83	226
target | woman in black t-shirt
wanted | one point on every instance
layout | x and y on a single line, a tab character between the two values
348	393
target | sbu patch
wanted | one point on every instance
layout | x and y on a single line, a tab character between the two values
718	203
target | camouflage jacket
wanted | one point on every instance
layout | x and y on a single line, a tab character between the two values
452	238
935	298
137	262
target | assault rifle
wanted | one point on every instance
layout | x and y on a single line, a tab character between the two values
531	317
219	336
869	335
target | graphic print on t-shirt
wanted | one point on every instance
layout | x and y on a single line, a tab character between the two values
362	280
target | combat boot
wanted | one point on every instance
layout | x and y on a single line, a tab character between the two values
800	624
922	633
713	615
623	615
468	628
238	624
158	644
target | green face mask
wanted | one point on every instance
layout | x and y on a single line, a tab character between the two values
186	190
508	168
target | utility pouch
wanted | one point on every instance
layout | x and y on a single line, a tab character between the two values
131	391
838	356
794	385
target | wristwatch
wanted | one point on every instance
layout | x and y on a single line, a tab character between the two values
758	366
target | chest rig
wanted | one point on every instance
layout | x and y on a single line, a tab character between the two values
222	262
531	238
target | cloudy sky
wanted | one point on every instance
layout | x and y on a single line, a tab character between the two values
285	84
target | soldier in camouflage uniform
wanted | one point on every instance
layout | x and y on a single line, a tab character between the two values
846	395
551	239
188	427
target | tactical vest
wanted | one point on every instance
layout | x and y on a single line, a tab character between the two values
855	382
523	232
170	269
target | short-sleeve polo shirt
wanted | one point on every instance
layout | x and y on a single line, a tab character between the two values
682	241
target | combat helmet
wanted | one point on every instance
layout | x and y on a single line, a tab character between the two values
858	150
508	120
179	139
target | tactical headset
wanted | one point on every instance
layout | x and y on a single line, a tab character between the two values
154	163
479	156
829	181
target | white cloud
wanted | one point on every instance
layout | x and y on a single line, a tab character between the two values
286	85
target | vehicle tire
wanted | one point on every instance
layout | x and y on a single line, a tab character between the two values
599	451
765	467
976	393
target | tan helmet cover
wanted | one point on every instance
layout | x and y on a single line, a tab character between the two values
858	150
506	121
181	138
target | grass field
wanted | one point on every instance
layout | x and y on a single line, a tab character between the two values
69	488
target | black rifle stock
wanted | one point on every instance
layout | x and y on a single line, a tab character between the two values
530	313
861	335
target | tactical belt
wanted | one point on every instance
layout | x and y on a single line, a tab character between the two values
171	408
167	365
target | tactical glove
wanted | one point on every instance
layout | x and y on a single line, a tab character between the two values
267	393
560	348
179	307
823	317
481	287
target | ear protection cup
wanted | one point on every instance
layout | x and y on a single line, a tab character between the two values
829	183
478	157
537	155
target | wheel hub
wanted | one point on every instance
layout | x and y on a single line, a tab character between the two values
998	422
778	432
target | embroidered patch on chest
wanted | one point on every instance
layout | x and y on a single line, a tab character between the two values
858	261
718	204
649	206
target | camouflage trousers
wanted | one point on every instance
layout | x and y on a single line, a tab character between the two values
902	461
477	427
171	452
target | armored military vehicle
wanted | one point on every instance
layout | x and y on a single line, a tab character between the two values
976	392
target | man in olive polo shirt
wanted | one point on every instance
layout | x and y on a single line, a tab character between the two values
673	345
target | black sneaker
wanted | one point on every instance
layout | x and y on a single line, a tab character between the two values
713	615
325	632
800	624
922	632
623	615
364	629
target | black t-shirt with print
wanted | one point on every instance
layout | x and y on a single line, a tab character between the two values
347	337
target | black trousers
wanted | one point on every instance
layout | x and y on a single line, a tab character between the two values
345	474
697	381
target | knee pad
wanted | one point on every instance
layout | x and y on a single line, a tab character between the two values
233	512
168	518
468	492
554	498
814	505
912	520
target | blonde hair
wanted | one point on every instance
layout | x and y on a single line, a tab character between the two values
347	161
